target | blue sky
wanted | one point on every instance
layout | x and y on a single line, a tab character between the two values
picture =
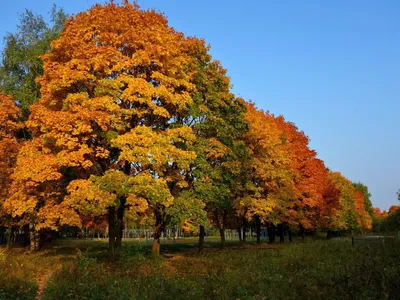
331	67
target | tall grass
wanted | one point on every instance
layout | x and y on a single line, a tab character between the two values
313	270
17	280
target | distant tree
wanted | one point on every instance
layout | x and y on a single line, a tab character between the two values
271	187
392	221
21	60
364	219
363	189
346	216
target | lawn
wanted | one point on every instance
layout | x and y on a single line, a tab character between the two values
315	269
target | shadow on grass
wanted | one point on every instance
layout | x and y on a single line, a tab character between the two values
13	288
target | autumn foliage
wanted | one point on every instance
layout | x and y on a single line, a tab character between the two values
137	122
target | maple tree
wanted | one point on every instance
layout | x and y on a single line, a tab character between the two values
114	88
10	143
137	122
271	189
217	120
363	189
364	219
346	215
315	198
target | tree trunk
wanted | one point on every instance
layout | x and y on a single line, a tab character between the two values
201	239
221	226
281	233
158	229
271	234
222	235
119	224
34	238
302	232
239	230
112	234
244	230
290	235
155	249
10	237
258	229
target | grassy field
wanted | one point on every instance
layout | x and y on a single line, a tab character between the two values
315	269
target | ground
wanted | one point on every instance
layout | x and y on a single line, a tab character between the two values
314	269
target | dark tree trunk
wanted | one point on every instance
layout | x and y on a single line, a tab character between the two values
271	234
119	224
281	233
112	234
201	239
239	230
302	232
290	235
221	226
244	230
158	229
258	229
10	237
222	235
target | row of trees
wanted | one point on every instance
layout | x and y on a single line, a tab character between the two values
387	221
135	121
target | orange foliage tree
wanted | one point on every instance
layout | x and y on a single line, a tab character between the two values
310	208
136	121
364	219
10	143
108	125
271	188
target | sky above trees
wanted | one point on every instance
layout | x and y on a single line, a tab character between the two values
333	69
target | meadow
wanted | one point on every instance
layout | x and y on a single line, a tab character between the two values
313	269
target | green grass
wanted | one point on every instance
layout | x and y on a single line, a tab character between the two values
316	269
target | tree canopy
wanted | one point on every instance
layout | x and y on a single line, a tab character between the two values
135	121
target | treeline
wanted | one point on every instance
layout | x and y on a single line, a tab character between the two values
124	119
385	222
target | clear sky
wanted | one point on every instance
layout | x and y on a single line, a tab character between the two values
331	67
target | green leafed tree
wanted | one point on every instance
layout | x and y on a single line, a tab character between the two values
21	63
217	120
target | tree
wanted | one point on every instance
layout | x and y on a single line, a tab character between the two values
364	219
10	143
271	190
21	63
310	179
217	120
108	126
363	189
346	215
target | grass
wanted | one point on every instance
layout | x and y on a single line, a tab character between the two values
316	269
